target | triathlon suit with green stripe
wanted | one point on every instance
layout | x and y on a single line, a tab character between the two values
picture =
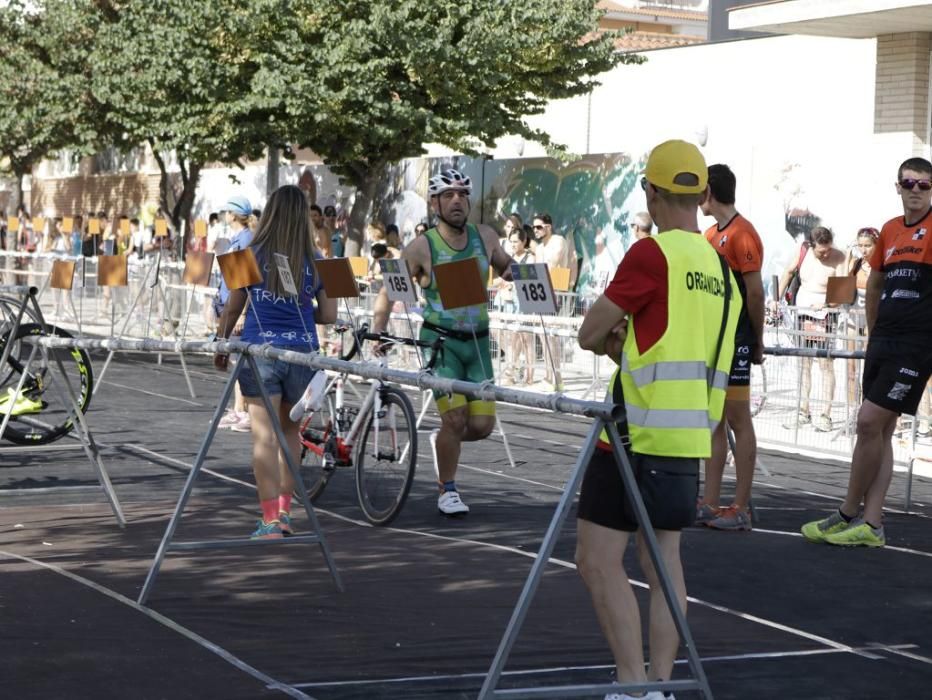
463	356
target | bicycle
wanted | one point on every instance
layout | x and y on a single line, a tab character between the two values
41	410
378	438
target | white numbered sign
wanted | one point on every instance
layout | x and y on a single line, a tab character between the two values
284	274
397	281
533	289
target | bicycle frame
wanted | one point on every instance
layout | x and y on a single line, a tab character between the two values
346	439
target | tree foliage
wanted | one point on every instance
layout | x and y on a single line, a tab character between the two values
44	99
368	82
177	74
364	83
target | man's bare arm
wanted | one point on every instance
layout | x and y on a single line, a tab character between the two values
872	297
754	288
604	328
498	258
413	255
232	311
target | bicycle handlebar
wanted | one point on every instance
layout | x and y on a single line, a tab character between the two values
363	334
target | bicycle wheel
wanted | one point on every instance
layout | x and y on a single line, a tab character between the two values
42	411
386	457
318	449
9	309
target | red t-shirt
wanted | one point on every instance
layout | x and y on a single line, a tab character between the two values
640	288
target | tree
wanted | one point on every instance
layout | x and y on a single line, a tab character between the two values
378	79
44	99
177	75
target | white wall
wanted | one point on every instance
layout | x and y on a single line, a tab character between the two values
791	115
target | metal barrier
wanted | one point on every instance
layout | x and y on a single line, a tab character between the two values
604	415
517	344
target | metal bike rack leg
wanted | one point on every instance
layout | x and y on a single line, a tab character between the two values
126	321
699	681
80	425
90	447
167	544
299	482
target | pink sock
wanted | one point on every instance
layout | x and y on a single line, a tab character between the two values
284	503
269	510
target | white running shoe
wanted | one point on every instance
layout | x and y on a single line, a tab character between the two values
450	503
231	418
652	695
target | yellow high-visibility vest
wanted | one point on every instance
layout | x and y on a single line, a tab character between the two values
673	395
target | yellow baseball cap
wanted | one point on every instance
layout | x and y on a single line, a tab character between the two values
677	167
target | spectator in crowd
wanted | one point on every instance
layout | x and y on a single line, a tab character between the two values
138	237
123	237
670	339
736	240
393	240
859	267
419	229
317	217
335	234
898	362
518	343
288	324
641	225
214	232
307	183
57	241
814	321
239	213
557	253
321	235
24	233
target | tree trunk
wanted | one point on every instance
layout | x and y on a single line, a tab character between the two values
177	206
366	185
182	211
19	172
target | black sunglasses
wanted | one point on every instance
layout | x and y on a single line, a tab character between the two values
908	184
539	227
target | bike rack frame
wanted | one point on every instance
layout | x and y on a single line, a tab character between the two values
79	423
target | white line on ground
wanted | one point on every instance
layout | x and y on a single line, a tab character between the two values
887	548
568	565
167	622
154	393
599	667
899	651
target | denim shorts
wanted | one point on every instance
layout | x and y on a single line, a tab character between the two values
278	377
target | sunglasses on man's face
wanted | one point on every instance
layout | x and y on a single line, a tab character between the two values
539	227
909	183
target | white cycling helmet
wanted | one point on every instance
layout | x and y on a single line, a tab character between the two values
449	179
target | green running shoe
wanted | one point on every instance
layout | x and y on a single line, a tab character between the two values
21	405
860	534
818	530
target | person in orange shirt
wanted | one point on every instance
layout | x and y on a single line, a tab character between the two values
735	239
897	363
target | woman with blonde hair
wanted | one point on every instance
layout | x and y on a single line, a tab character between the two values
288	323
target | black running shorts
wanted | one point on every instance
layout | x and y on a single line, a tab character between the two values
668	485
896	373
741	365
